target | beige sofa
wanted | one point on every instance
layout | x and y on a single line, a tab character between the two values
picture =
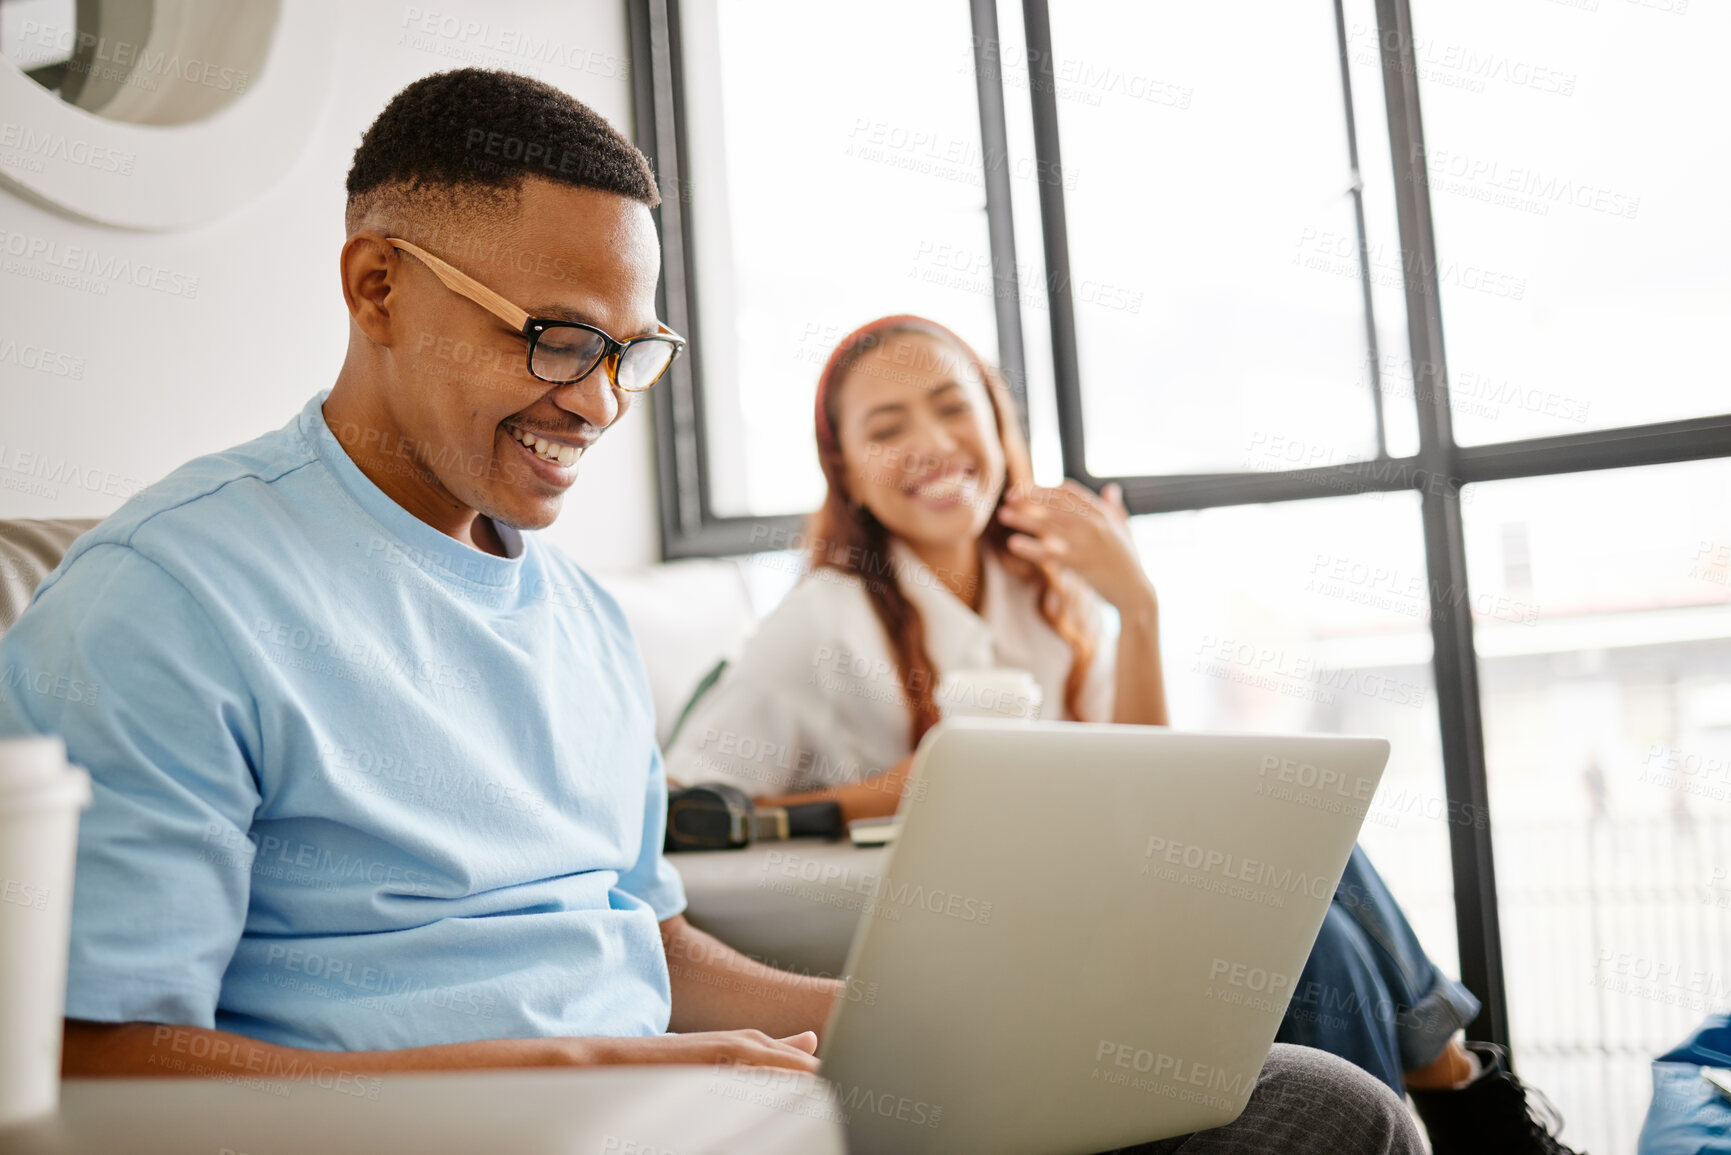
795	904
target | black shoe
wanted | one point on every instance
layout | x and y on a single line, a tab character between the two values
1491	1114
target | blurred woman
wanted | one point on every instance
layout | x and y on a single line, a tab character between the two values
934	552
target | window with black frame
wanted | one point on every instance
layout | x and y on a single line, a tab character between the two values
1228	331
841	184
1214	244
1234	257
1583	261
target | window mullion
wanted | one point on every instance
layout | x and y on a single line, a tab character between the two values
1000	218
1373	354
1454	658
1043	97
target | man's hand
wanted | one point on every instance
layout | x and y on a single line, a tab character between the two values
717	990
747	1048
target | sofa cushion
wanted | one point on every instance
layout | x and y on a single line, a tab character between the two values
791	905
686	615
29	551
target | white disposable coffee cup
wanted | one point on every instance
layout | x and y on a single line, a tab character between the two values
998	692
40	797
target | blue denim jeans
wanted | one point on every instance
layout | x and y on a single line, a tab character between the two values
1368	993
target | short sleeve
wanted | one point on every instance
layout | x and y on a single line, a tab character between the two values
118	659
653	879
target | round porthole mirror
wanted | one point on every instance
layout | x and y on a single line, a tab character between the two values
157	114
140	61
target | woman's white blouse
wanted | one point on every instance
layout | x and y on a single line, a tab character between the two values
814	700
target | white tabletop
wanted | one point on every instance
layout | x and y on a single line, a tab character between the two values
595	1111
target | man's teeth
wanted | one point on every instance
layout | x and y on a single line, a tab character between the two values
563	455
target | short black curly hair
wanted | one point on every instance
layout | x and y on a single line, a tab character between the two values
461	142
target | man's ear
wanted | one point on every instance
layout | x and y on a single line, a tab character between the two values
369	267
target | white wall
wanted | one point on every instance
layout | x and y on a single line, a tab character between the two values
164	376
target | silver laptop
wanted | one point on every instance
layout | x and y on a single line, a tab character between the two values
1087	935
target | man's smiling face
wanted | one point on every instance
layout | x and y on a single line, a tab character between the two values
459	388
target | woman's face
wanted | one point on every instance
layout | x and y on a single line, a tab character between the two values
919	444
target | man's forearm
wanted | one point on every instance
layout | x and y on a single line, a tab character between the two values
715	988
108	1049
138	1049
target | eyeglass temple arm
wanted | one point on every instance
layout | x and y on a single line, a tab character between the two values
459	282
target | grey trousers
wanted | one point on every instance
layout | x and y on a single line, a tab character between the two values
1306	1102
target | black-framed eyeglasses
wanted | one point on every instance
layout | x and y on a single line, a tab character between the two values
562	352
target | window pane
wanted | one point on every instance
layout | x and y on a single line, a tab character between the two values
836	176
1393	356
1582	243
1313	616
1214	255
1011	58
1603	623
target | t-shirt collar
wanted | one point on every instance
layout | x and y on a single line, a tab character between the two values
420	542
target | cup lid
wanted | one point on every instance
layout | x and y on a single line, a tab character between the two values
1009	677
32	760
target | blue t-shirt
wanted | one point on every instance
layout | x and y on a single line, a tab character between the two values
357	785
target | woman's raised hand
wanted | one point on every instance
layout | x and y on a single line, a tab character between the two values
1071	527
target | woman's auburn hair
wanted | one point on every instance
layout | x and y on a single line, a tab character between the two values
848	538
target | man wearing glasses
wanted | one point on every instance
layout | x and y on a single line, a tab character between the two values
376	781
